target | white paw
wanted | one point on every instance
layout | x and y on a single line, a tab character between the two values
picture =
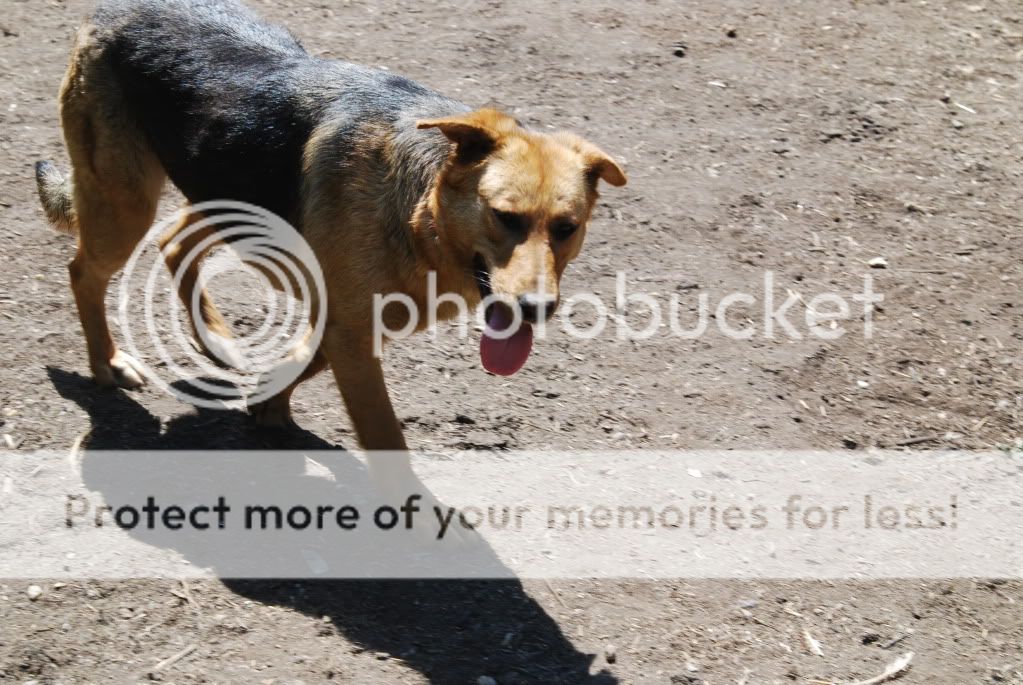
221	350
122	371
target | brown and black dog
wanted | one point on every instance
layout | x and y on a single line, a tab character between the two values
385	179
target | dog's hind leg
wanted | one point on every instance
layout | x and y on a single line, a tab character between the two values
110	225
276	411
116	190
184	246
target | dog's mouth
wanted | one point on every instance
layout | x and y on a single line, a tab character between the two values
482	274
503	351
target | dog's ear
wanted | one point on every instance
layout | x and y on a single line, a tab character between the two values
598	163
475	134
601	166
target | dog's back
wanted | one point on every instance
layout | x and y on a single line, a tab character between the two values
228	101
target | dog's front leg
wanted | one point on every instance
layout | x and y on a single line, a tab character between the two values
360	378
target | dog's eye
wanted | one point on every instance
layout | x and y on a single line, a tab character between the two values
563	230
515	223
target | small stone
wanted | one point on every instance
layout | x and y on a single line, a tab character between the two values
731	32
748	604
34	592
878	263
610	654
862	384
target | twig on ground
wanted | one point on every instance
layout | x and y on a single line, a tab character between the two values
923	438
555	593
173	659
894	670
74	455
812	644
894	641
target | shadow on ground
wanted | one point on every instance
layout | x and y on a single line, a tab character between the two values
452	631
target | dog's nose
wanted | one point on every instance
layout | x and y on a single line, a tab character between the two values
537	306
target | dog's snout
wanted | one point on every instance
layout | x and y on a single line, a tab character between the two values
537	306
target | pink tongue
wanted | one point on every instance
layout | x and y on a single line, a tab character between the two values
504	356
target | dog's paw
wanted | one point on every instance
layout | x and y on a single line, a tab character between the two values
219	349
272	413
121	371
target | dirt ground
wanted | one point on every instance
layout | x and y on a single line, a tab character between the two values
806	138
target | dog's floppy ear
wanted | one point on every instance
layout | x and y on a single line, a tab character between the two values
602	166
475	134
599	164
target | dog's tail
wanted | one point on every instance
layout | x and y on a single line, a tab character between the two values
55	194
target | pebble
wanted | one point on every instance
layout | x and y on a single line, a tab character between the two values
748	604
878	263
610	654
34	592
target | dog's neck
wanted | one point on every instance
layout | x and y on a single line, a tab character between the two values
434	249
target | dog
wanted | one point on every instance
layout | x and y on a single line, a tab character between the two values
385	179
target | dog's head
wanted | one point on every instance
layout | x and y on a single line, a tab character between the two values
514	204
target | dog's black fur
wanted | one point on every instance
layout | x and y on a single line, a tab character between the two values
228	102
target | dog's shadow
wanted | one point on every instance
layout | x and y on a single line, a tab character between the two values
451	631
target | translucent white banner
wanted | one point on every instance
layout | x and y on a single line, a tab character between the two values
650	514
